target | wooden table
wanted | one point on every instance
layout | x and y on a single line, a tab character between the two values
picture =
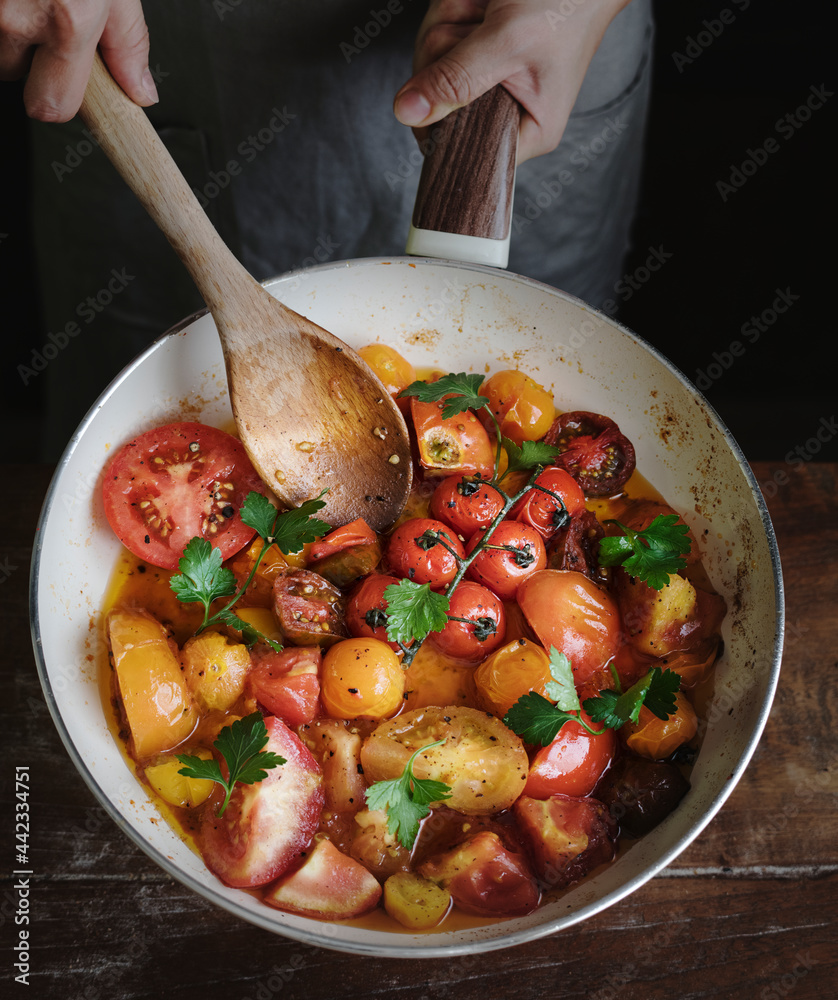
747	911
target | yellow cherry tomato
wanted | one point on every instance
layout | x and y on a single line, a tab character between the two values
511	672
361	677
523	408
658	738
394	371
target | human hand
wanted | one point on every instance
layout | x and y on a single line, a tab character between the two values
539	53
55	40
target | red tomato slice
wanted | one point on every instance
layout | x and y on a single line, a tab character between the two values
287	684
176	482
573	763
357	532
453	444
266	826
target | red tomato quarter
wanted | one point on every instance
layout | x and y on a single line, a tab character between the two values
414	554
567	610
176	482
514	552
484	630
573	763
287	683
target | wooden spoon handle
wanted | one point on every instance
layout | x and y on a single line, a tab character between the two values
130	142
467	182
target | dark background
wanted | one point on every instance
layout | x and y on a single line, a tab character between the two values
728	257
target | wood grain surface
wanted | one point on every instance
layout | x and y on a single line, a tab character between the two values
748	911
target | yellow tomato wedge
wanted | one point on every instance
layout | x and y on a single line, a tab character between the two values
175	788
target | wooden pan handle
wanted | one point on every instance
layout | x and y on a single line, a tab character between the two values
468	175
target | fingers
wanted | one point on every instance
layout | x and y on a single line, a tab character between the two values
124	47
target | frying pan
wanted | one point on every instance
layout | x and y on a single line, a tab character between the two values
459	317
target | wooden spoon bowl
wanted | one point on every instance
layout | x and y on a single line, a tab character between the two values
309	410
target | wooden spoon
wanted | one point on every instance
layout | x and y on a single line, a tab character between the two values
309	411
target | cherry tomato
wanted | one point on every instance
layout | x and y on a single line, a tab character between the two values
467	505
514	552
395	371
542	510
573	763
366	608
522	407
593	451
511	672
568	611
361	677
451	444
357	532
412	552
176	482
658	738
266	826
347	553
309	609
287	683
576	547
484	629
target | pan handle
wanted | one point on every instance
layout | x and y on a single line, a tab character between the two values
463	208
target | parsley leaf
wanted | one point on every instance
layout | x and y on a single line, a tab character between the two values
250	634
259	513
295	527
407	799
240	744
656	690
202	578
652	554
537	720
562	688
464	390
413	610
528	455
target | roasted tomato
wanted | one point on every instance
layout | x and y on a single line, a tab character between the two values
415	552
347	553
555	498
658	738
176	482
265	826
395	371
640	793
215	669
476	623
485	878
567	837
309	609
451	444
568	611
329	885
361	678
514	670
287	683
514	552
483	762
337	749
593	451
467	505
366	608
573	763
576	547
523	409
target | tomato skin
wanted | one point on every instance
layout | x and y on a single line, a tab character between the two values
451	444
499	570
267	825
466	505
471	600
169	485
523	408
435	565
366	599
309	609
567	610
361	678
573	763
356	532
541	510
287	683
593	451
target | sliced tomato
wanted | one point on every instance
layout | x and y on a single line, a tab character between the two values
451	444
593	451
329	885
466	504
554	498
567	837
337	748
485	878
514	552
309	609
266	826
174	483
476	623
573	763
287	684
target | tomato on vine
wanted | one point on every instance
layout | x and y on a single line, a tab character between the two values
515	551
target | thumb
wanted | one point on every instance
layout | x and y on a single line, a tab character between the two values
124	48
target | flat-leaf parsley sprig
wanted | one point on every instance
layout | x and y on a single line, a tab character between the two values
240	744
651	555
407	799
538	720
203	579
